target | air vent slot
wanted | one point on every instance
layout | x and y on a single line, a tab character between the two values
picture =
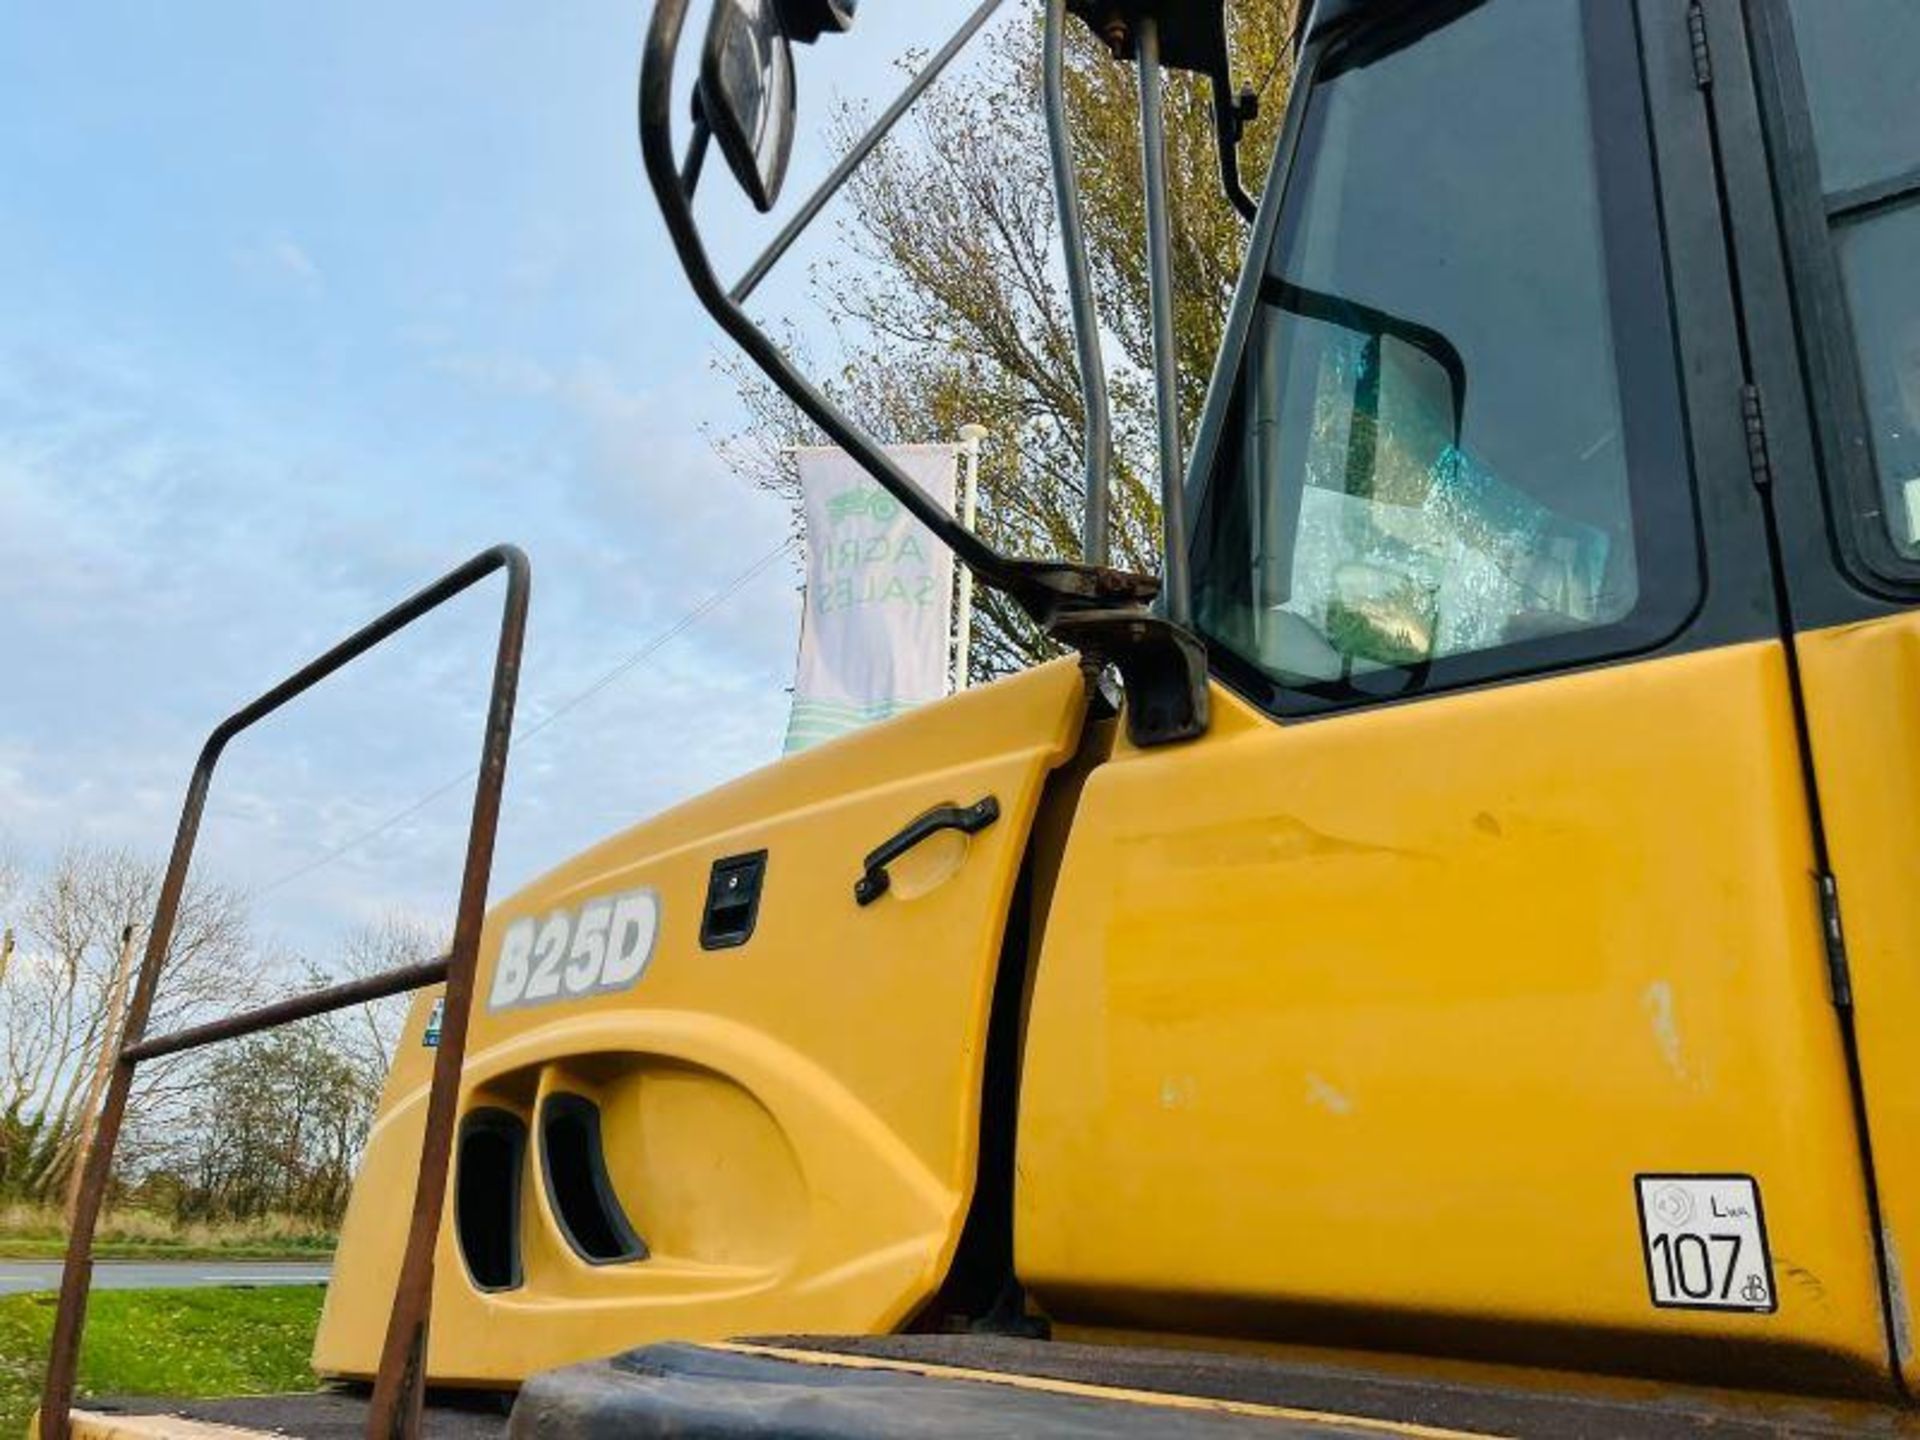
578	1187
486	1209
733	900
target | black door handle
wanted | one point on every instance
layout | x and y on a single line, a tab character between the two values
967	819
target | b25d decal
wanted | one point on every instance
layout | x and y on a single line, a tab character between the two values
602	946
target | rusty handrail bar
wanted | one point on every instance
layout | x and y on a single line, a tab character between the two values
397	1395
304	1006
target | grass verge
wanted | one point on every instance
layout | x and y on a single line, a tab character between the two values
164	1342
39	1232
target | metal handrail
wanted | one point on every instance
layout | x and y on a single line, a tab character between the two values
399	1388
295	1007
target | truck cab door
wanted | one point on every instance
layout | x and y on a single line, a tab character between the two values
1822	159
1463	990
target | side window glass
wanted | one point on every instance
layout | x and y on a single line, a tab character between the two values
1407	547
1857	58
1440	417
1860	60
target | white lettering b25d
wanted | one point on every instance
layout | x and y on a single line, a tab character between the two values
602	946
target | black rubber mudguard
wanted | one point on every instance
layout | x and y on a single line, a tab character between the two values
694	1393
907	1387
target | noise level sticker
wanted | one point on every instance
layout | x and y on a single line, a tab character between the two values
1705	1242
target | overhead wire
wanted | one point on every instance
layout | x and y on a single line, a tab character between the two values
573	702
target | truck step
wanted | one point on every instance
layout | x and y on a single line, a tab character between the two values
338	1414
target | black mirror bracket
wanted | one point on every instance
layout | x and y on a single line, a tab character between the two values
1162	665
1231	115
1194	38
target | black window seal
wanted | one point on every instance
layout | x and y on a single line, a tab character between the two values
1851	492
1664	501
1863	200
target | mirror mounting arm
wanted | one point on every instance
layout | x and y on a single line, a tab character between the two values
668	179
1046	590
863	147
698	144
1090	607
1098	442
1178	597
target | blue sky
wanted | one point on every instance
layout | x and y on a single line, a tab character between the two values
304	304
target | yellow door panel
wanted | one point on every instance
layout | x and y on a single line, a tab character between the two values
1862	688
1359	1030
790	1125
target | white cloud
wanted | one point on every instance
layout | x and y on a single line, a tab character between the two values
281	260
159	567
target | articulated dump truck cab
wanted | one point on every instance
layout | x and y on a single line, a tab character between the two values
1478	929
709	1092
1502	947
1583	950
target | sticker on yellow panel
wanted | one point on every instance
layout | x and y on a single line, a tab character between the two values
1705	1242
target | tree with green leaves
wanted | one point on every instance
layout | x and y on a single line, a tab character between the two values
949	304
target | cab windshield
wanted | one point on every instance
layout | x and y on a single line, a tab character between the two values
1429	468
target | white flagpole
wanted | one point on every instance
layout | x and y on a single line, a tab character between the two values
970	438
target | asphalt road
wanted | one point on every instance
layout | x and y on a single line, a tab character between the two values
18	1276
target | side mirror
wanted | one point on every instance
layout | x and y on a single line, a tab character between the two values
746	94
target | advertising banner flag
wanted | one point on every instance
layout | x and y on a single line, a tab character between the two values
879	603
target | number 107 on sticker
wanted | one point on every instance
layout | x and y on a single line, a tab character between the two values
1705	1242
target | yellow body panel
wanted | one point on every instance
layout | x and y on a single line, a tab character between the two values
791	1125
1358	1030
1862	686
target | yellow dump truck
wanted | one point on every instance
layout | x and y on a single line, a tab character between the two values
1440	958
